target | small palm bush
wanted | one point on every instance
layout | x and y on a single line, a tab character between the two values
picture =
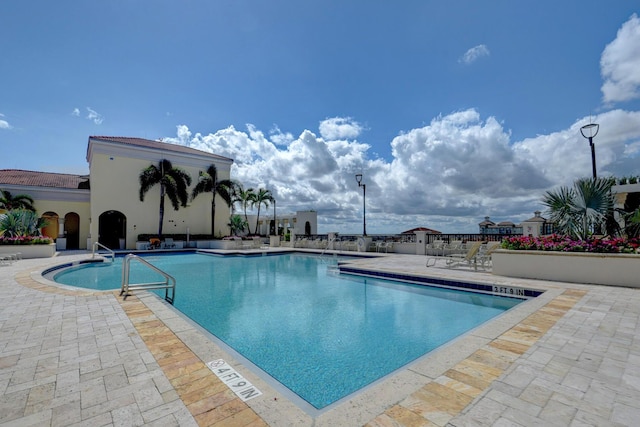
21	226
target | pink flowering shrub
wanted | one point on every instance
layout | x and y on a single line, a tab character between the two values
25	240
555	242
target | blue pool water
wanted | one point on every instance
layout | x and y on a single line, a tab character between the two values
322	335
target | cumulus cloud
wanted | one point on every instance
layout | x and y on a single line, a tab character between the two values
446	175
620	64
3	123
474	54
76	112
340	128
94	116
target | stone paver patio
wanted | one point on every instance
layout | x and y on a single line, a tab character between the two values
73	357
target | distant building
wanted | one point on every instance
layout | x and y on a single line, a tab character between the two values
301	223
535	226
425	229
505	227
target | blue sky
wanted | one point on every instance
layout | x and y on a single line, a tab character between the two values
453	110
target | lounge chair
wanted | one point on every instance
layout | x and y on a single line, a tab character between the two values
469	259
154	243
484	256
455	247
436	247
385	246
168	243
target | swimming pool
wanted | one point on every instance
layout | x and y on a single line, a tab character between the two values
321	335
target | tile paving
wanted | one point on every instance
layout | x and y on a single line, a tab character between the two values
73	357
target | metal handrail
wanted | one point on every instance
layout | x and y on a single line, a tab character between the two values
169	282
95	246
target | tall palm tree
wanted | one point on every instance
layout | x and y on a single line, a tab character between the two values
19	201
173	183
586	207
246	199
208	183
262	197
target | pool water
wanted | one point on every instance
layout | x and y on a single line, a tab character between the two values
320	334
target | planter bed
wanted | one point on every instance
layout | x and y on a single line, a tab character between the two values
574	267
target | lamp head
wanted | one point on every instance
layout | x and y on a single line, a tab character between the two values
359	179
590	130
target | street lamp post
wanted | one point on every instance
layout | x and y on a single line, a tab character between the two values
364	203
590	131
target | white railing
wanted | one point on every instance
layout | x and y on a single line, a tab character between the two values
169	282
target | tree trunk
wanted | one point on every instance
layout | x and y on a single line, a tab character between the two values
213	215
161	215
257	220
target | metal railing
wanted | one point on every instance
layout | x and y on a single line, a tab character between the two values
168	284
110	252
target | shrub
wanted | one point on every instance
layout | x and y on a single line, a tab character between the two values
20	223
25	240
557	242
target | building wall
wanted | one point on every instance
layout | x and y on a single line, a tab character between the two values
59	201
115	186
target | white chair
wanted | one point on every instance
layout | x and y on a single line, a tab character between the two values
469	259
382	246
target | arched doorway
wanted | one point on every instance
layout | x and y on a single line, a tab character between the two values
72	230
307	228
112	226
51	229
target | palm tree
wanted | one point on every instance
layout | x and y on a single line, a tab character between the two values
236	223
173	183
262	197
586	207
208	183
246	198
19	201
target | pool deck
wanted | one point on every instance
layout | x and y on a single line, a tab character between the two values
570	357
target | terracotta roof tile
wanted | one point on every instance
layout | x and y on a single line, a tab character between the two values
41	179
158	145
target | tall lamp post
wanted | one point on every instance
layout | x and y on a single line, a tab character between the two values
364	203
590	131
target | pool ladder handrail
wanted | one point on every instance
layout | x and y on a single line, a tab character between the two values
169	282
110	252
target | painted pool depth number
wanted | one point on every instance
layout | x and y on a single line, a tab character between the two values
508	290
236	382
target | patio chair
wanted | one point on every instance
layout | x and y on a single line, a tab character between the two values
484	255
455	247
168	243
436	247
8	259
469	259
385	246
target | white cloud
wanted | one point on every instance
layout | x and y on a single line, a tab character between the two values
620	64
3	123
447	175
94	116
76	112
340	128
474	54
